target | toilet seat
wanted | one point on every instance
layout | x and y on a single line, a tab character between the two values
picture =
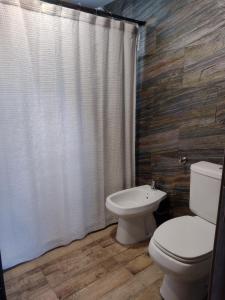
186	239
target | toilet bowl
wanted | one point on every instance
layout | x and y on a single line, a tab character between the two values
135	207
182	247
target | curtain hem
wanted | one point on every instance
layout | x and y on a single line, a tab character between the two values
56	244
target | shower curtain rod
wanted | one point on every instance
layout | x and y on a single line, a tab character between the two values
94	11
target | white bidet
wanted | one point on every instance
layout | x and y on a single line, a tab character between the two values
135	207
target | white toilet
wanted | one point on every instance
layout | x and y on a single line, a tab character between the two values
135	208
182	247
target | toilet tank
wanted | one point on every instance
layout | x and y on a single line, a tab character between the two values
205	190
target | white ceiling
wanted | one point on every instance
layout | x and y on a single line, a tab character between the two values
91	3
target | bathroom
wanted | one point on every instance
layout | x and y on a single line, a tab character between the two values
111	108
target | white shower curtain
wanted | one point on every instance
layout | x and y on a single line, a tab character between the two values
67	111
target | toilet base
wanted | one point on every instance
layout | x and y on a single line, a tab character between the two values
135	229
173	289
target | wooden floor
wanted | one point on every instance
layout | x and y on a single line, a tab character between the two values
96	267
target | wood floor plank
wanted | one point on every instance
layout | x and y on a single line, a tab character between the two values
150	293
111	264
139	263
72	267
67	267
150	275
28	281
128	255
100	287
115	248
79	282
43	293
127	291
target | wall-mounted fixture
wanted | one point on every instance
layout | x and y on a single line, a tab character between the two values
183	160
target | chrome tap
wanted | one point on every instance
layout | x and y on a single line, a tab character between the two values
153	185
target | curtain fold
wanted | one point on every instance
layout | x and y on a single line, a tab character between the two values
67	111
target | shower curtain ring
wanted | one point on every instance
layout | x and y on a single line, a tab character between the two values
60	6
109	12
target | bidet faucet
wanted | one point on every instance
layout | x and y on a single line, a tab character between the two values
153	185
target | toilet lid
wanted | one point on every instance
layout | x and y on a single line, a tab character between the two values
186	238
